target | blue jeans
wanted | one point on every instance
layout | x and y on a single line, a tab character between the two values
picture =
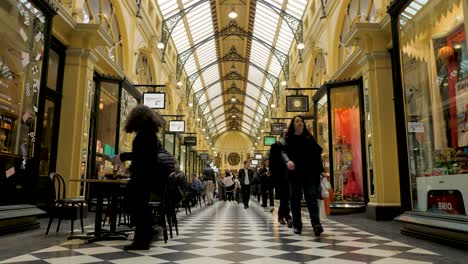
303	182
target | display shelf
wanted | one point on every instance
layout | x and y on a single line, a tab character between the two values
457	182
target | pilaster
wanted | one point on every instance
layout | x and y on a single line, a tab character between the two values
384	203
74	119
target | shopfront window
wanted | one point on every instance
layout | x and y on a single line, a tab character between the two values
106	131
128	102
322	131
347	151
169	142
434	59
21	56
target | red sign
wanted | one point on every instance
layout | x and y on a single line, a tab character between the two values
446	201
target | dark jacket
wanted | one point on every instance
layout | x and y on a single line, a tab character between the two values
242	176
278	160
209	174
144	157
263	177
306	155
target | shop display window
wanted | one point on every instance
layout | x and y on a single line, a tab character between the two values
322	131
21	56
434	58
169	143
106	131
346	137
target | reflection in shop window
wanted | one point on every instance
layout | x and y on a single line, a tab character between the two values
21	55
435	77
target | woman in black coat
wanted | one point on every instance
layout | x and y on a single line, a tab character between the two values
144	156
304	169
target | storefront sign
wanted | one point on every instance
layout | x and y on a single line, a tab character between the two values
269	140
190	141
204	156
177	126
155	100
277	128
297	103
415	127
449	202
259	156
254	162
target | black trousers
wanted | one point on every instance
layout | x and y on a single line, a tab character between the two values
283	189
267	194
139	197
246	194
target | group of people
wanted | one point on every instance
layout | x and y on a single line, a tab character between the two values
294	168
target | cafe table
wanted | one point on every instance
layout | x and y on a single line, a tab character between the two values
102	188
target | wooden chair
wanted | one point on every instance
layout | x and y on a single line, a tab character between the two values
62	207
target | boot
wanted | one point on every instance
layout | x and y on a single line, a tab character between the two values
318	229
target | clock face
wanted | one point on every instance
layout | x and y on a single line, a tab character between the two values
233	158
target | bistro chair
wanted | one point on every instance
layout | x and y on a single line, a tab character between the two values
64	208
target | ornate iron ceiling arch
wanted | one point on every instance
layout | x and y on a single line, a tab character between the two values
168	24
232	76
232	56
262	105
232	29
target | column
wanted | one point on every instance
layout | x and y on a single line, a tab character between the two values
78	88
384	203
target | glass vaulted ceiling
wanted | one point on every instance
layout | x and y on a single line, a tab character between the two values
268	27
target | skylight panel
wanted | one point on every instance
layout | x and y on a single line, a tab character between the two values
197	86
263	100
214	90
219	119
252	89
247	119
259	54
168	7
211	74
179	35
245	130
198	22
218	111
255	76
274	67
265	23
296	8
250	102
248	112
190	66
285	37
206	54
216	102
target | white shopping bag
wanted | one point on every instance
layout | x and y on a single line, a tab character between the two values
322	214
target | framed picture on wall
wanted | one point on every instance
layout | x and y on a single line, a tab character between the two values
155	100
297	103
277	128
176	126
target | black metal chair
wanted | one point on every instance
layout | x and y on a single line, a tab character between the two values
63	208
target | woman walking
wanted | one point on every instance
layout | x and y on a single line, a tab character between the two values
304	170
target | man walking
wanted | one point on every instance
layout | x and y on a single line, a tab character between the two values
210	183
279	178
246	178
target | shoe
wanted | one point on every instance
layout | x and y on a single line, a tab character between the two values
297	230
272	209
245	207
281	221
290	223
137	246
318	229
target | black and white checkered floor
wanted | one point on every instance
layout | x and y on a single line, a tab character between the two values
227	233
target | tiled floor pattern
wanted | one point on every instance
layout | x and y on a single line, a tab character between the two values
227	233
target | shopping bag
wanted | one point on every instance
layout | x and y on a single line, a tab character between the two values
322	213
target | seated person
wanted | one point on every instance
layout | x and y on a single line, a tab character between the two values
197	188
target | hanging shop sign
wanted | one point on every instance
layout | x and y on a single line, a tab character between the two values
297	103
259	156
176	126
269	140
190	141
154	100
277	128
204	156
254	162
446	201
